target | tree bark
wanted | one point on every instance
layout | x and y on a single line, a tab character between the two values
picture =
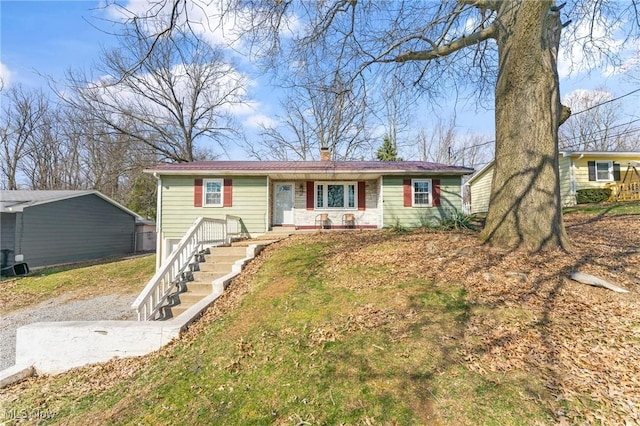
525	208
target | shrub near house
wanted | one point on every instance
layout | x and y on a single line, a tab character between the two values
592	195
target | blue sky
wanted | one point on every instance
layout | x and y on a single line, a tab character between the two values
49	37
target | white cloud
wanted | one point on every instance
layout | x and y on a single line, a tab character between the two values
594	43
209	19
6	76
257	121
242	109
472	24
630	63
206	18
251	114
583	98
378	132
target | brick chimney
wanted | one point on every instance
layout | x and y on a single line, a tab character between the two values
325	154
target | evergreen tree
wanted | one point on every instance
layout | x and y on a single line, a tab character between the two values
142	196
388	151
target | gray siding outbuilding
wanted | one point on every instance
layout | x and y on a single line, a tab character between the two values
44	228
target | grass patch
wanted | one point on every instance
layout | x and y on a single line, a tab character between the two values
305	348
124	276
632	207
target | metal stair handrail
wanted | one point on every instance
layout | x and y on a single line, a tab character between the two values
204	232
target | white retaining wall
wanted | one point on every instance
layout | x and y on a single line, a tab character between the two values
54	347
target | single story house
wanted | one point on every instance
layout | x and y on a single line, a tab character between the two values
304	194
45	228
578	170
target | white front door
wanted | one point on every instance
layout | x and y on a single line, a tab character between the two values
284	204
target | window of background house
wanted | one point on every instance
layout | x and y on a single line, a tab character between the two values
604	171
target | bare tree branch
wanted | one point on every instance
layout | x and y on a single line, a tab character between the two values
449	48
179	98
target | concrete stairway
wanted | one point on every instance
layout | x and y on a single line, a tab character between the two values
216	263
213	265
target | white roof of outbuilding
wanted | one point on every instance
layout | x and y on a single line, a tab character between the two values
12	201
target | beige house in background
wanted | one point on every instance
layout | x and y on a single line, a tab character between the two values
578	170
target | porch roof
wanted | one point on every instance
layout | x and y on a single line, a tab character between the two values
311	169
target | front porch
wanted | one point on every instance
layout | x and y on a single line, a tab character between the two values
320	204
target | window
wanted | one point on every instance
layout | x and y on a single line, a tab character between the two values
421	189
335	195
212	192
604	171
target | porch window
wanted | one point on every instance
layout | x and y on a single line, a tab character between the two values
213	192
421	192
335	195
604	171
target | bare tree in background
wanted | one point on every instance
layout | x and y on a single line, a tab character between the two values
506	47
436	144
443	144
48	146
23	115
396	111
107	158
289	138
599	126
44	159
473	150
173	94
317	113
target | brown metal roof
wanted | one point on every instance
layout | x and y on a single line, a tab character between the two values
297	167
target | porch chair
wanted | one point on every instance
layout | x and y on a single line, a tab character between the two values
349	220
322	221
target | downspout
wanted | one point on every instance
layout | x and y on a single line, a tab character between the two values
381	202
135	237
159	242
574	184
18	256
267	223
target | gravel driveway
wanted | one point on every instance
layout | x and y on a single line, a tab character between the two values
108	307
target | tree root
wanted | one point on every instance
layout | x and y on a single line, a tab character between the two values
588	279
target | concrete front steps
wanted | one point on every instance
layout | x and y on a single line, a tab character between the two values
218	263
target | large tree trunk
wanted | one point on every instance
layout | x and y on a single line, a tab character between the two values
525	208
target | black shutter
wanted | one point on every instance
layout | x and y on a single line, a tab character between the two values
592	170
616	172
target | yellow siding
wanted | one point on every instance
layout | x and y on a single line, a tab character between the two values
395	212
567	195
574	175
581	168
480	188
178	212
481	191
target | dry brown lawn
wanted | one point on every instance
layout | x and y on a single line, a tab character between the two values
527	315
